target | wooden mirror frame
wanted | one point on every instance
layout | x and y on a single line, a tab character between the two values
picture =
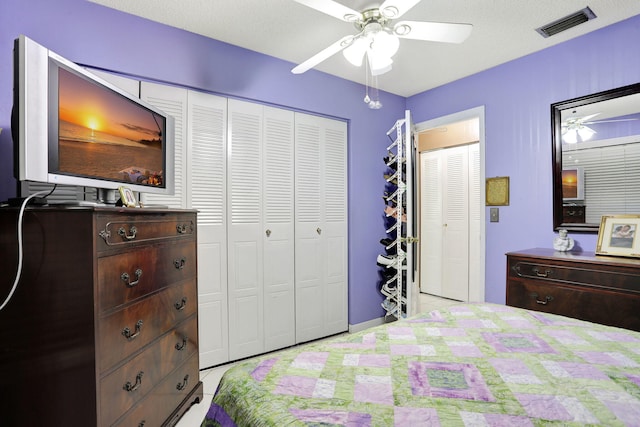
556	158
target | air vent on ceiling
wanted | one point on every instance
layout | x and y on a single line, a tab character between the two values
567	22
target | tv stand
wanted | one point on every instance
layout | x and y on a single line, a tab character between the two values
108	197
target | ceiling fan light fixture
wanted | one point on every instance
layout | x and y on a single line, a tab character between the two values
572	131
356	51
378	64
385	43
586	133
570	136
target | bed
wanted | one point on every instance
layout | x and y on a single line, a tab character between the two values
467	365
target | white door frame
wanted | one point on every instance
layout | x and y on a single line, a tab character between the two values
477	292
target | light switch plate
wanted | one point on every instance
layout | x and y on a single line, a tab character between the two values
494	214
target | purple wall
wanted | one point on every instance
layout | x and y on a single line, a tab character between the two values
517	97
94	35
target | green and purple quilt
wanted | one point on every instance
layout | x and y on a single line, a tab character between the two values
468	365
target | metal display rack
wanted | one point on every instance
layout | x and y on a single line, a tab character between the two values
397	264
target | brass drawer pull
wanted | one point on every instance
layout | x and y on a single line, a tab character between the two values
547	299
181	346
133	387
123	233
546	272
181	386
179	263
127	332
125	278
180	305
182	228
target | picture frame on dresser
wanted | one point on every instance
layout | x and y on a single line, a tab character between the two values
618	236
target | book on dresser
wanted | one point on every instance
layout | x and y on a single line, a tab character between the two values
600	289
102	328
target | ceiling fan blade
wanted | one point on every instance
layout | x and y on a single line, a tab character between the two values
394	9
333	8
587	118
324	54
433	31
608	121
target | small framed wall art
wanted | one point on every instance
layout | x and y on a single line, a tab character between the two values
618	236
497	191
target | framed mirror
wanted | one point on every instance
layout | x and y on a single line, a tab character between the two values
596	158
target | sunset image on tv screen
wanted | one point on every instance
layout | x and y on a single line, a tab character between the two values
104	135
570	183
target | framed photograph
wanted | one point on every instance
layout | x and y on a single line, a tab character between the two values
573	183
618	236
497	191
127	197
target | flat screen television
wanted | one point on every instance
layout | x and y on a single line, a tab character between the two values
72	127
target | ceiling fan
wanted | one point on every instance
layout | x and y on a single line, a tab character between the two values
377	36
575	127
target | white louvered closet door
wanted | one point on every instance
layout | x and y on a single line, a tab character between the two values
245	252
260	229
455	246
320	227
431	222
450	221
206	129
278	228
172	100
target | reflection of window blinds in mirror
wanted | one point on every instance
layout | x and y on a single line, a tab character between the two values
612	177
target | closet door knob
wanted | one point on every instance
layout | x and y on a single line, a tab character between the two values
319	230
268	232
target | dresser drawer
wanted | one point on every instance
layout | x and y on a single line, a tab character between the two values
120	230
126	331
121	389
575	301
578	274
156	407
574	214
130	275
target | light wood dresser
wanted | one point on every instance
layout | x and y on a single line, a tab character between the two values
599	289
103	326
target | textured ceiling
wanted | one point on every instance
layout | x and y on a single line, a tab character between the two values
503	30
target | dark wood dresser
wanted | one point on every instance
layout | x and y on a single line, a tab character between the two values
574	214
582	285
103	327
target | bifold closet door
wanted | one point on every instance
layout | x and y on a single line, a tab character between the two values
320	227
207	133
260	229
450	221
200	183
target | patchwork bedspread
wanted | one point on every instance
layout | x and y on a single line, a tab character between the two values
468	365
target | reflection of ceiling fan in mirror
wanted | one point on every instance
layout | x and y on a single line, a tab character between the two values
576	129
377	36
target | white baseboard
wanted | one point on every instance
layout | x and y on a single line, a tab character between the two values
366	325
